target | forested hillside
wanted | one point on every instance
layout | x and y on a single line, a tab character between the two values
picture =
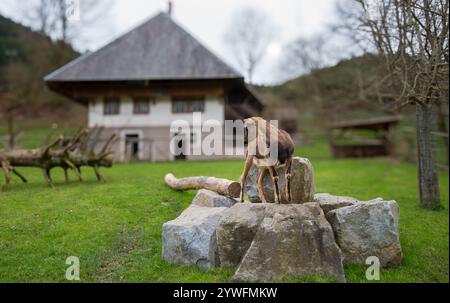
340	92
25	58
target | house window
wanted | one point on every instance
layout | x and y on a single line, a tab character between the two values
180	106
188	104
111	106
198	105
141	105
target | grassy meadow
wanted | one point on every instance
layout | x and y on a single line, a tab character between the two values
115	228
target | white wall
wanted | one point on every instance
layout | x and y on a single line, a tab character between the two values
160	113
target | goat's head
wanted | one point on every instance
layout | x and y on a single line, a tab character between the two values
253	127
250	125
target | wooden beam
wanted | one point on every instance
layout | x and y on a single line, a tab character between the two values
180	88
222	186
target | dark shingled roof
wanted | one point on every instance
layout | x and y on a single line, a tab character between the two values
159	49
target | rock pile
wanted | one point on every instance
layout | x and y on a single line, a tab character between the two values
191	238
266	242
302	180
290	240
368	229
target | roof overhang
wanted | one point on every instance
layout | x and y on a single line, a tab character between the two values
383	122
83	91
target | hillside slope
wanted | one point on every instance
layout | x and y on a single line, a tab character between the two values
26	57
333	93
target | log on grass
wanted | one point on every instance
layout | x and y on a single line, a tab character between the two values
221	186
66	156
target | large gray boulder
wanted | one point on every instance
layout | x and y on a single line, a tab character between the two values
208	198
292	240
236	231
368	229
191	238
302	183
329	202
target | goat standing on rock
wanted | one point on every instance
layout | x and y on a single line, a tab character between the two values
268	148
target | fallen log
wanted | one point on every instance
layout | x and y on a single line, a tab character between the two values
66	154
222	186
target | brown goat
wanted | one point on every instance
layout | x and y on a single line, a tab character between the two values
259	152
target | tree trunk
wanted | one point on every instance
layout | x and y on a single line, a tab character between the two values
11	132
58	154
428	179
443	124
222	186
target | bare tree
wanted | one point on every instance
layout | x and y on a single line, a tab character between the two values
73	17
9	108
35	13
305	55
13	97
248	36
412	38
64	19
349	25
43	16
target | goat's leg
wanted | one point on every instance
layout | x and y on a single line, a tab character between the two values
288	179
259	184
247	165
274	175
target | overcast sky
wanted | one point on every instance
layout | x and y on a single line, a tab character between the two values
207	20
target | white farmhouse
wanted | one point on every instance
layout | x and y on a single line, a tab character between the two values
141	82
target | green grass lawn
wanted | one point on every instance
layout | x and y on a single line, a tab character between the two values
115	228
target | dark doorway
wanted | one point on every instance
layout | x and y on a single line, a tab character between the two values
180	146
132	147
